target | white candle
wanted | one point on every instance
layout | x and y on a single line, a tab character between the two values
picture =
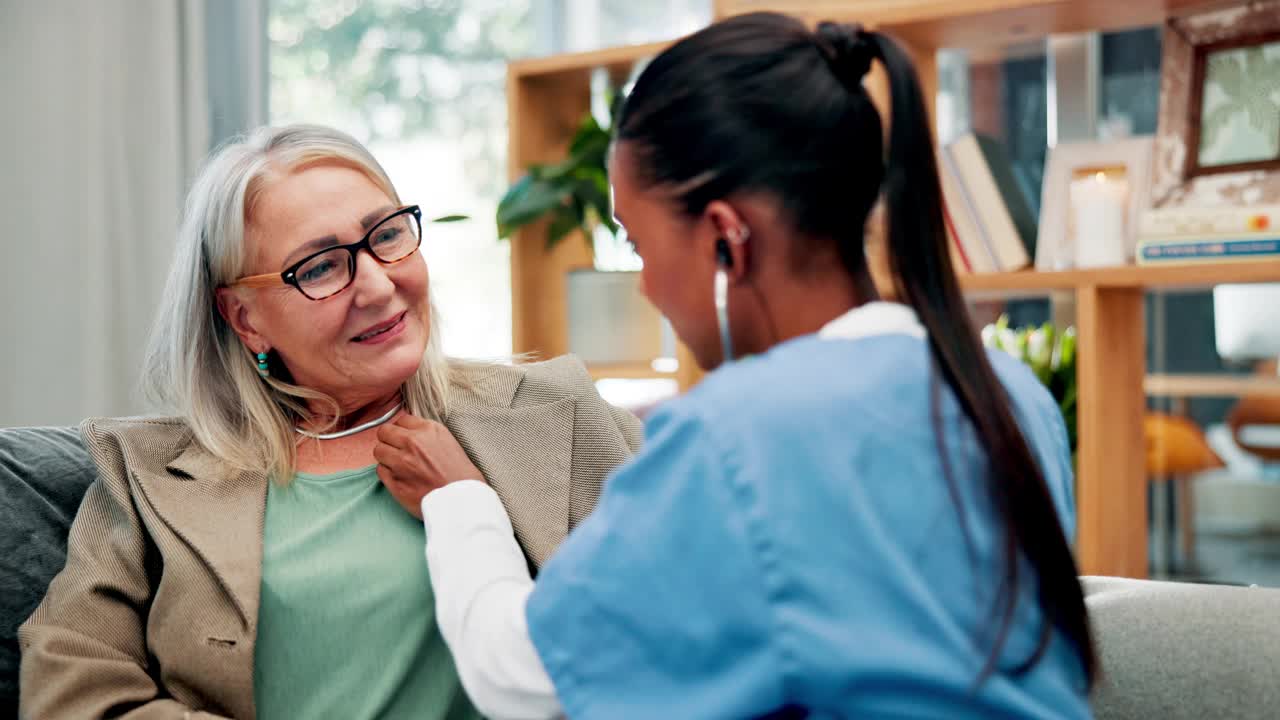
1099	205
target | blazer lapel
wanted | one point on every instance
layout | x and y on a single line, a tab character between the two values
525	454
218	511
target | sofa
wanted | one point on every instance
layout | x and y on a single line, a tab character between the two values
44	472
1171	651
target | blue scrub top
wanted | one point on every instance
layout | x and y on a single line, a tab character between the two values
787	538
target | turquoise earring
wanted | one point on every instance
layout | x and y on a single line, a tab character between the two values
262	365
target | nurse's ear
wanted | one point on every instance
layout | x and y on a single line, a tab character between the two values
731	236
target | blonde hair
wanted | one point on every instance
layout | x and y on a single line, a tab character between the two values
196	365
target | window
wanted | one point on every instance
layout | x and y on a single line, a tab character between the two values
423	85
595	24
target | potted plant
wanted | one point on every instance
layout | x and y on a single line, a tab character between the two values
1050	354
609	323
572	193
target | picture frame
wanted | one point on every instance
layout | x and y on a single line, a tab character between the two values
1055	249
1223	73
1180	177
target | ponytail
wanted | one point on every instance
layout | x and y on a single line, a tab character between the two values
925	279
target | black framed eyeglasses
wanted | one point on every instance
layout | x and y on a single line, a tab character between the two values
330	271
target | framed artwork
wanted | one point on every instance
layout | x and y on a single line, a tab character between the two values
1235	106
1091	203
1218	142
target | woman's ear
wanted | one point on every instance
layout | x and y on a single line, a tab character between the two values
233	309
730	247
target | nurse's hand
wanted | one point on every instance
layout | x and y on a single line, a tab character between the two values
416	456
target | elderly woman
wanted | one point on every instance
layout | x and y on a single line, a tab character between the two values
249	557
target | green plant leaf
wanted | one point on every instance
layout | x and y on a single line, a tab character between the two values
451	218
1040	352
588	149
1068	401
527	201
572	193
556	172
566	219
592	189
1067	346
588	137
1020	345
1050	355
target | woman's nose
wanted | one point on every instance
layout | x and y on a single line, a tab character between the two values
372	284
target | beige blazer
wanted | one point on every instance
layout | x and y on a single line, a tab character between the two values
155	614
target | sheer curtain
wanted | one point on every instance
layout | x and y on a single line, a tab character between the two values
110	106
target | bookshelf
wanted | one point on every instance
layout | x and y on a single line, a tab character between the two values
1176	277
547	97
1195	385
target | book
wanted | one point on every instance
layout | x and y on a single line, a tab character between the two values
959	260
1191	222
961	224
1025	220
1163	251
1004	217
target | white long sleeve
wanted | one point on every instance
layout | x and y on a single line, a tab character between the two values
481	585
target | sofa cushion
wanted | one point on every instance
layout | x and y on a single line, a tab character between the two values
44	473
1178	650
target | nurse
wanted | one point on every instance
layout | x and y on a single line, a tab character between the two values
866	515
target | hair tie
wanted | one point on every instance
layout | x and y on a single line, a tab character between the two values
848	49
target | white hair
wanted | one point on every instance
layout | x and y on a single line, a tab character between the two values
196	365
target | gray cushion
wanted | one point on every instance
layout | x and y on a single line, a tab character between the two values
1177	650
44	473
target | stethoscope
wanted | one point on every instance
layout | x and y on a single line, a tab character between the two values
724	263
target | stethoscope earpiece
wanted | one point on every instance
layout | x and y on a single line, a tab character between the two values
737	236
724	262
724	258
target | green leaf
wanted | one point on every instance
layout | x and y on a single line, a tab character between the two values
1020	343
451	218
526	202
1040	352
1068	348
588	149
592	189
573	192
1068	401
556	172
588	136
567	219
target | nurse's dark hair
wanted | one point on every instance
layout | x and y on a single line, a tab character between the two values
762	104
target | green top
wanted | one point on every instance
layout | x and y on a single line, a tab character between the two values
347	625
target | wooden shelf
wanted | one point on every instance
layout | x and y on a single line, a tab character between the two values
979	23
1211	385
1030	282
571	63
